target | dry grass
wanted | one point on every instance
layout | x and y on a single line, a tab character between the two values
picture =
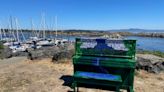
45	76
42	76
148	82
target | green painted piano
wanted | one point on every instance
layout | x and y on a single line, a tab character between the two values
104	62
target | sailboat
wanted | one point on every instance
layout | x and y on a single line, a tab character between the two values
3	36
34	34
11	38
18	45
44	41
58	41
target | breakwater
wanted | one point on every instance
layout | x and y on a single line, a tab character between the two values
155	34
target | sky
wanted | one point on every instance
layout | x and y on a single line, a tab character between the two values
85	14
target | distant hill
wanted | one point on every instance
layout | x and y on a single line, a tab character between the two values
136	30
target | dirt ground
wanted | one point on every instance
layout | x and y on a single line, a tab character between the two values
22	75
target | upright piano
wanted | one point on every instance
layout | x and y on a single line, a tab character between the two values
104	62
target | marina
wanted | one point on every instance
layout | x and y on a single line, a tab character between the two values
16	40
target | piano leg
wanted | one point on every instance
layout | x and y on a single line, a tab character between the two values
130	89
74	87
77	89
117	89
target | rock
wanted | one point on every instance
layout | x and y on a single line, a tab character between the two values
6	52
113	35
62	55
154	64
19	54
147	34
35	54
49	52
159	66
143	64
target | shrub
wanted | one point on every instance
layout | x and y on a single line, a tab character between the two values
1	45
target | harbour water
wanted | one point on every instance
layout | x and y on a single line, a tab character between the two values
144	43
148	43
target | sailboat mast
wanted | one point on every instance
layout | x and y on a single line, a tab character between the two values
11	27
16	23
56	26
32	28
11	22
0	33
43	25
4	32
51	27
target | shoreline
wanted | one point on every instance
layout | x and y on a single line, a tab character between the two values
157	53
101	33
94	33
